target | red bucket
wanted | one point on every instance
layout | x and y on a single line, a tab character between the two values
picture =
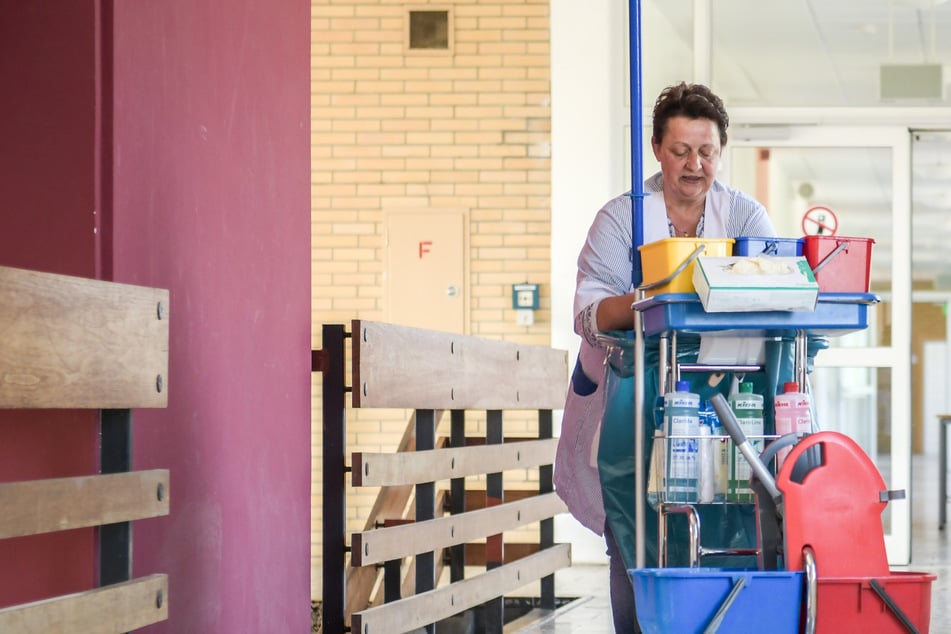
840	264
851	604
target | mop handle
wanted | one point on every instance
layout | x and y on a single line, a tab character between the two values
736	432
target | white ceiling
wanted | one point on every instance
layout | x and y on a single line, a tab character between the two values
826	53
810	52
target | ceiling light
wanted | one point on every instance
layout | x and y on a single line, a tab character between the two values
919	4
911	81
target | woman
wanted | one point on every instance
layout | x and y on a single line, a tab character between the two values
683	200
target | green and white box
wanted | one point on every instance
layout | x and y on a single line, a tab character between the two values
753	284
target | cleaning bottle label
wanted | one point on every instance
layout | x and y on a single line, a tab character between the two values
792	415
748	409
681	413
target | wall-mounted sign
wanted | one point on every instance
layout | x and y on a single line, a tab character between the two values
525	296
819	221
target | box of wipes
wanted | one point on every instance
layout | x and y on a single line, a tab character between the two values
753	284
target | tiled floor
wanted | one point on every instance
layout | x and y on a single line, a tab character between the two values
931	552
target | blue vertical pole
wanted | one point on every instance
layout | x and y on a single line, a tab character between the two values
637	141
637	234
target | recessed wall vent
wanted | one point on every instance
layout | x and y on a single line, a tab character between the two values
911	81
429	30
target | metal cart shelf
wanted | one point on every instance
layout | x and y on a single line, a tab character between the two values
666	506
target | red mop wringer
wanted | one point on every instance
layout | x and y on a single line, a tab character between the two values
842	537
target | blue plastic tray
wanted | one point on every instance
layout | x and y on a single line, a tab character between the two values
685	600
835	314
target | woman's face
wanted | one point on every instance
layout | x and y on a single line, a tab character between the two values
689	156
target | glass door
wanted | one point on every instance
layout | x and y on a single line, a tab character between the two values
851	181
931	292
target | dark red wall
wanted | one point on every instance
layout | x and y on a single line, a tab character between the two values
47	123
206	193
47	203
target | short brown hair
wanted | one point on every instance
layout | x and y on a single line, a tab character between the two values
694	101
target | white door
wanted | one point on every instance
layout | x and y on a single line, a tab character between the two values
425	275
862	383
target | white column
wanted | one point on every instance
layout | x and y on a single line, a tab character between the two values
702	42
588	84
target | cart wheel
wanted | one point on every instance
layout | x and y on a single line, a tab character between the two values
812	588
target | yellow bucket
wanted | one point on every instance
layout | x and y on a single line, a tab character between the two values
661	258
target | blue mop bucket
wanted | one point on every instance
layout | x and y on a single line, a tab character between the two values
702	600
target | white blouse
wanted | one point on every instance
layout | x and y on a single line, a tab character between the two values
604	270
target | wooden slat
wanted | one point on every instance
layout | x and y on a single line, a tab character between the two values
386	469
421	609
390	502
399	366
42	506
409	576
121	607
396	542
71	342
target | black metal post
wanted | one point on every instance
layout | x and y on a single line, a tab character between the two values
330	361
115	456
457	495
392	590
494	547
546	527
426	504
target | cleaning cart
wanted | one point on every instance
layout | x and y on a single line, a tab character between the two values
821	550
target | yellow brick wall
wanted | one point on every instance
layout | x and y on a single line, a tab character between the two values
467	129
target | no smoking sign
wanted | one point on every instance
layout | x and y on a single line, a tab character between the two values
819	221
